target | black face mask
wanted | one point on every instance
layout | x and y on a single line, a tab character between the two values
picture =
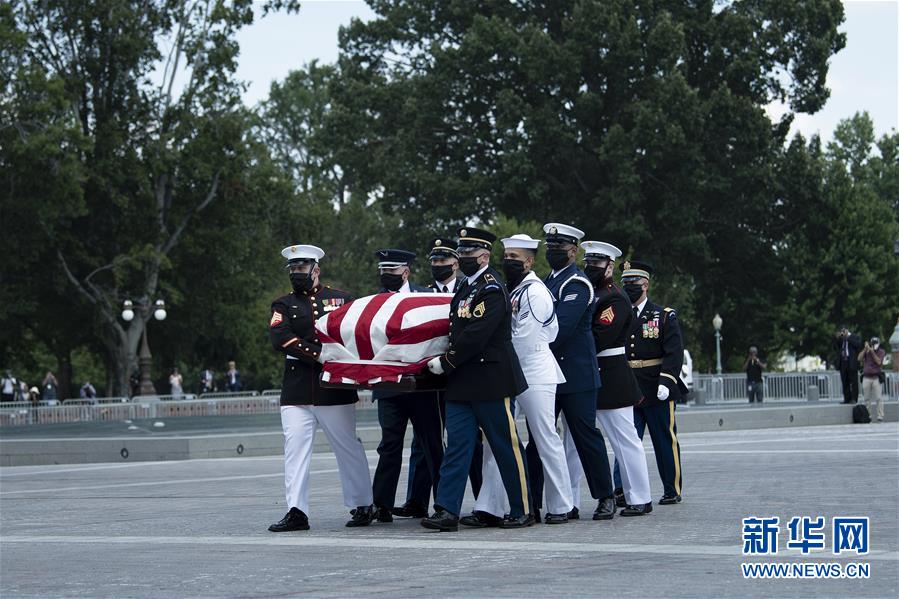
301	281
596	274
514	272
391	282
442	272
633	291
469	265
558	259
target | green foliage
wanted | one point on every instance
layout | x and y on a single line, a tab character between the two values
639	121
838	247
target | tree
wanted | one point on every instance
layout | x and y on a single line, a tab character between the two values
641	122
143	145
841	228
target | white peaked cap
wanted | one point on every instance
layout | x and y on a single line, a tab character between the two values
600	248
520	240
303	252
552	229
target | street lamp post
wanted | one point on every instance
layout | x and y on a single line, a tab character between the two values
717	321
144	358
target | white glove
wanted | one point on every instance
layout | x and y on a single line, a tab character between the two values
434	366
662	393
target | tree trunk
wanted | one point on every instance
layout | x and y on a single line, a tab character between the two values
64	374
121	356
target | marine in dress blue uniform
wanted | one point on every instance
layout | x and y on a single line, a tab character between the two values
397	409
575	352
304	404
619	392
655	351
483	375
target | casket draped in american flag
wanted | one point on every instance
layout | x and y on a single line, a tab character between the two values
380	338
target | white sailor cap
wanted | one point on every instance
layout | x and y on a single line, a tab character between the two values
520	240
600	249
302	253
559	233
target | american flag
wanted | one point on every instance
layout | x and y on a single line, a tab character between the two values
382	337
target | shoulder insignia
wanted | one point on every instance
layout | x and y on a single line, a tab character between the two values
479	310
489	277
607	316
276	319
669	309
492	286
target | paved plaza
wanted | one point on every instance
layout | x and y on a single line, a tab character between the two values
197	528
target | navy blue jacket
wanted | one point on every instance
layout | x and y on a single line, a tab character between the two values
574	347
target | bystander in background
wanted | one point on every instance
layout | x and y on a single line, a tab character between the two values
207	381
871	358
755	387
50	389
848	346
9	387
176	384
87	391
232	378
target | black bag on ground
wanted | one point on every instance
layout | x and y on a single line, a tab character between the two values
860	414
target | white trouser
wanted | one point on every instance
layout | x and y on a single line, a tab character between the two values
539	406
618	428
339	424
573	460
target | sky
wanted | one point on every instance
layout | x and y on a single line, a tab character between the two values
863	76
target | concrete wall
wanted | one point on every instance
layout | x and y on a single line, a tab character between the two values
30	452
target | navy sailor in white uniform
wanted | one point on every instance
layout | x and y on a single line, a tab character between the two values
534	327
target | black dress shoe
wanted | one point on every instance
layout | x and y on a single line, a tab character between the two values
410	509
518	521
670	499
637	510
574	514
382	514
294	520
555	518
620	501
605	509
479	519
362	516
442	520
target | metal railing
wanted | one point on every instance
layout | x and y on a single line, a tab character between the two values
715	389
782	386
227	394
137	409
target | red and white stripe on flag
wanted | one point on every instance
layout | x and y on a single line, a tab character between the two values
382	337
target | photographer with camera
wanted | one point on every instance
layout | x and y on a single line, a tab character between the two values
873	377
848	346
753	367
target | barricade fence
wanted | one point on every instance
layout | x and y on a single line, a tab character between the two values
783	386
714	389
